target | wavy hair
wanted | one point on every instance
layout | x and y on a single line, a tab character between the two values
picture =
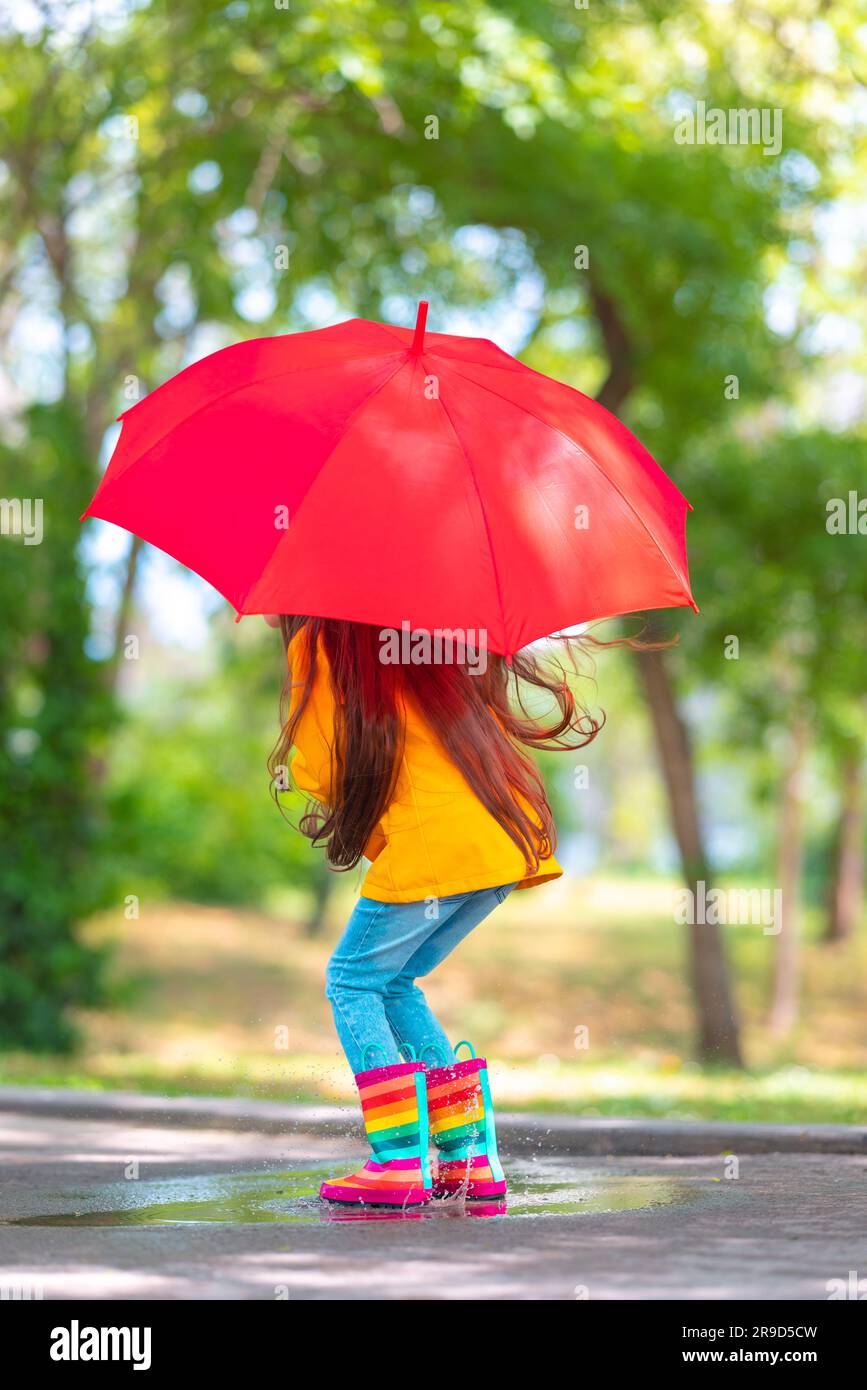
485	722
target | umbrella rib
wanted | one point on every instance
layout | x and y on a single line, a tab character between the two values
472	471
215	400
575	445
362	405
388	329
539	492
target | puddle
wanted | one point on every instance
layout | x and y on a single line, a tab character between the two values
545	1188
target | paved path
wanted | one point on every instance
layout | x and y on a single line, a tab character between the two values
217	1213
524	1133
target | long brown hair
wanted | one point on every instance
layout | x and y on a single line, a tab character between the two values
485	721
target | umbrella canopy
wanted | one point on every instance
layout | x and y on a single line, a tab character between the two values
391	476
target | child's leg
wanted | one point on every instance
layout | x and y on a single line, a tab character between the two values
406	1008
385	943
378	941
370	975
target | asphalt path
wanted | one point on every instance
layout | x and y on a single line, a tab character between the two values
125	1207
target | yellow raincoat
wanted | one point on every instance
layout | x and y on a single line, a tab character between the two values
436	839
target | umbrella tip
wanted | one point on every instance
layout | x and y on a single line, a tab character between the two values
421	320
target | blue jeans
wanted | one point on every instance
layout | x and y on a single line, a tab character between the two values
370	980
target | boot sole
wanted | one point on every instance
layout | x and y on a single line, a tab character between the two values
352	1197
470	1189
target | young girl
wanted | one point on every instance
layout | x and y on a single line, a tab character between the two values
420	769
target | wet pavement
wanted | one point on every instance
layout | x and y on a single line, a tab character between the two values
545	1188
99	1209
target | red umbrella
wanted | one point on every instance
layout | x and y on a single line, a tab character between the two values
387	476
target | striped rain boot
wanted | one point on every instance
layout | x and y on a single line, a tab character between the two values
463	1130
394	1106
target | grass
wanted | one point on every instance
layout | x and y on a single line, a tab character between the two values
578	997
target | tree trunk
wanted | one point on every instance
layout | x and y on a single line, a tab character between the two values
718	1035
846	887
323	882
620	379
790	861
124	612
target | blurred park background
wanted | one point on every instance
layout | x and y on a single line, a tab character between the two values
177	177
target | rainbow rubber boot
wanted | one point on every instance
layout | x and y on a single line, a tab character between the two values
394	1106
463	1130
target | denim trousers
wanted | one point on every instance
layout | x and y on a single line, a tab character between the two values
371	977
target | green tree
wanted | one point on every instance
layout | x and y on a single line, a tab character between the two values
181	176
53	711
